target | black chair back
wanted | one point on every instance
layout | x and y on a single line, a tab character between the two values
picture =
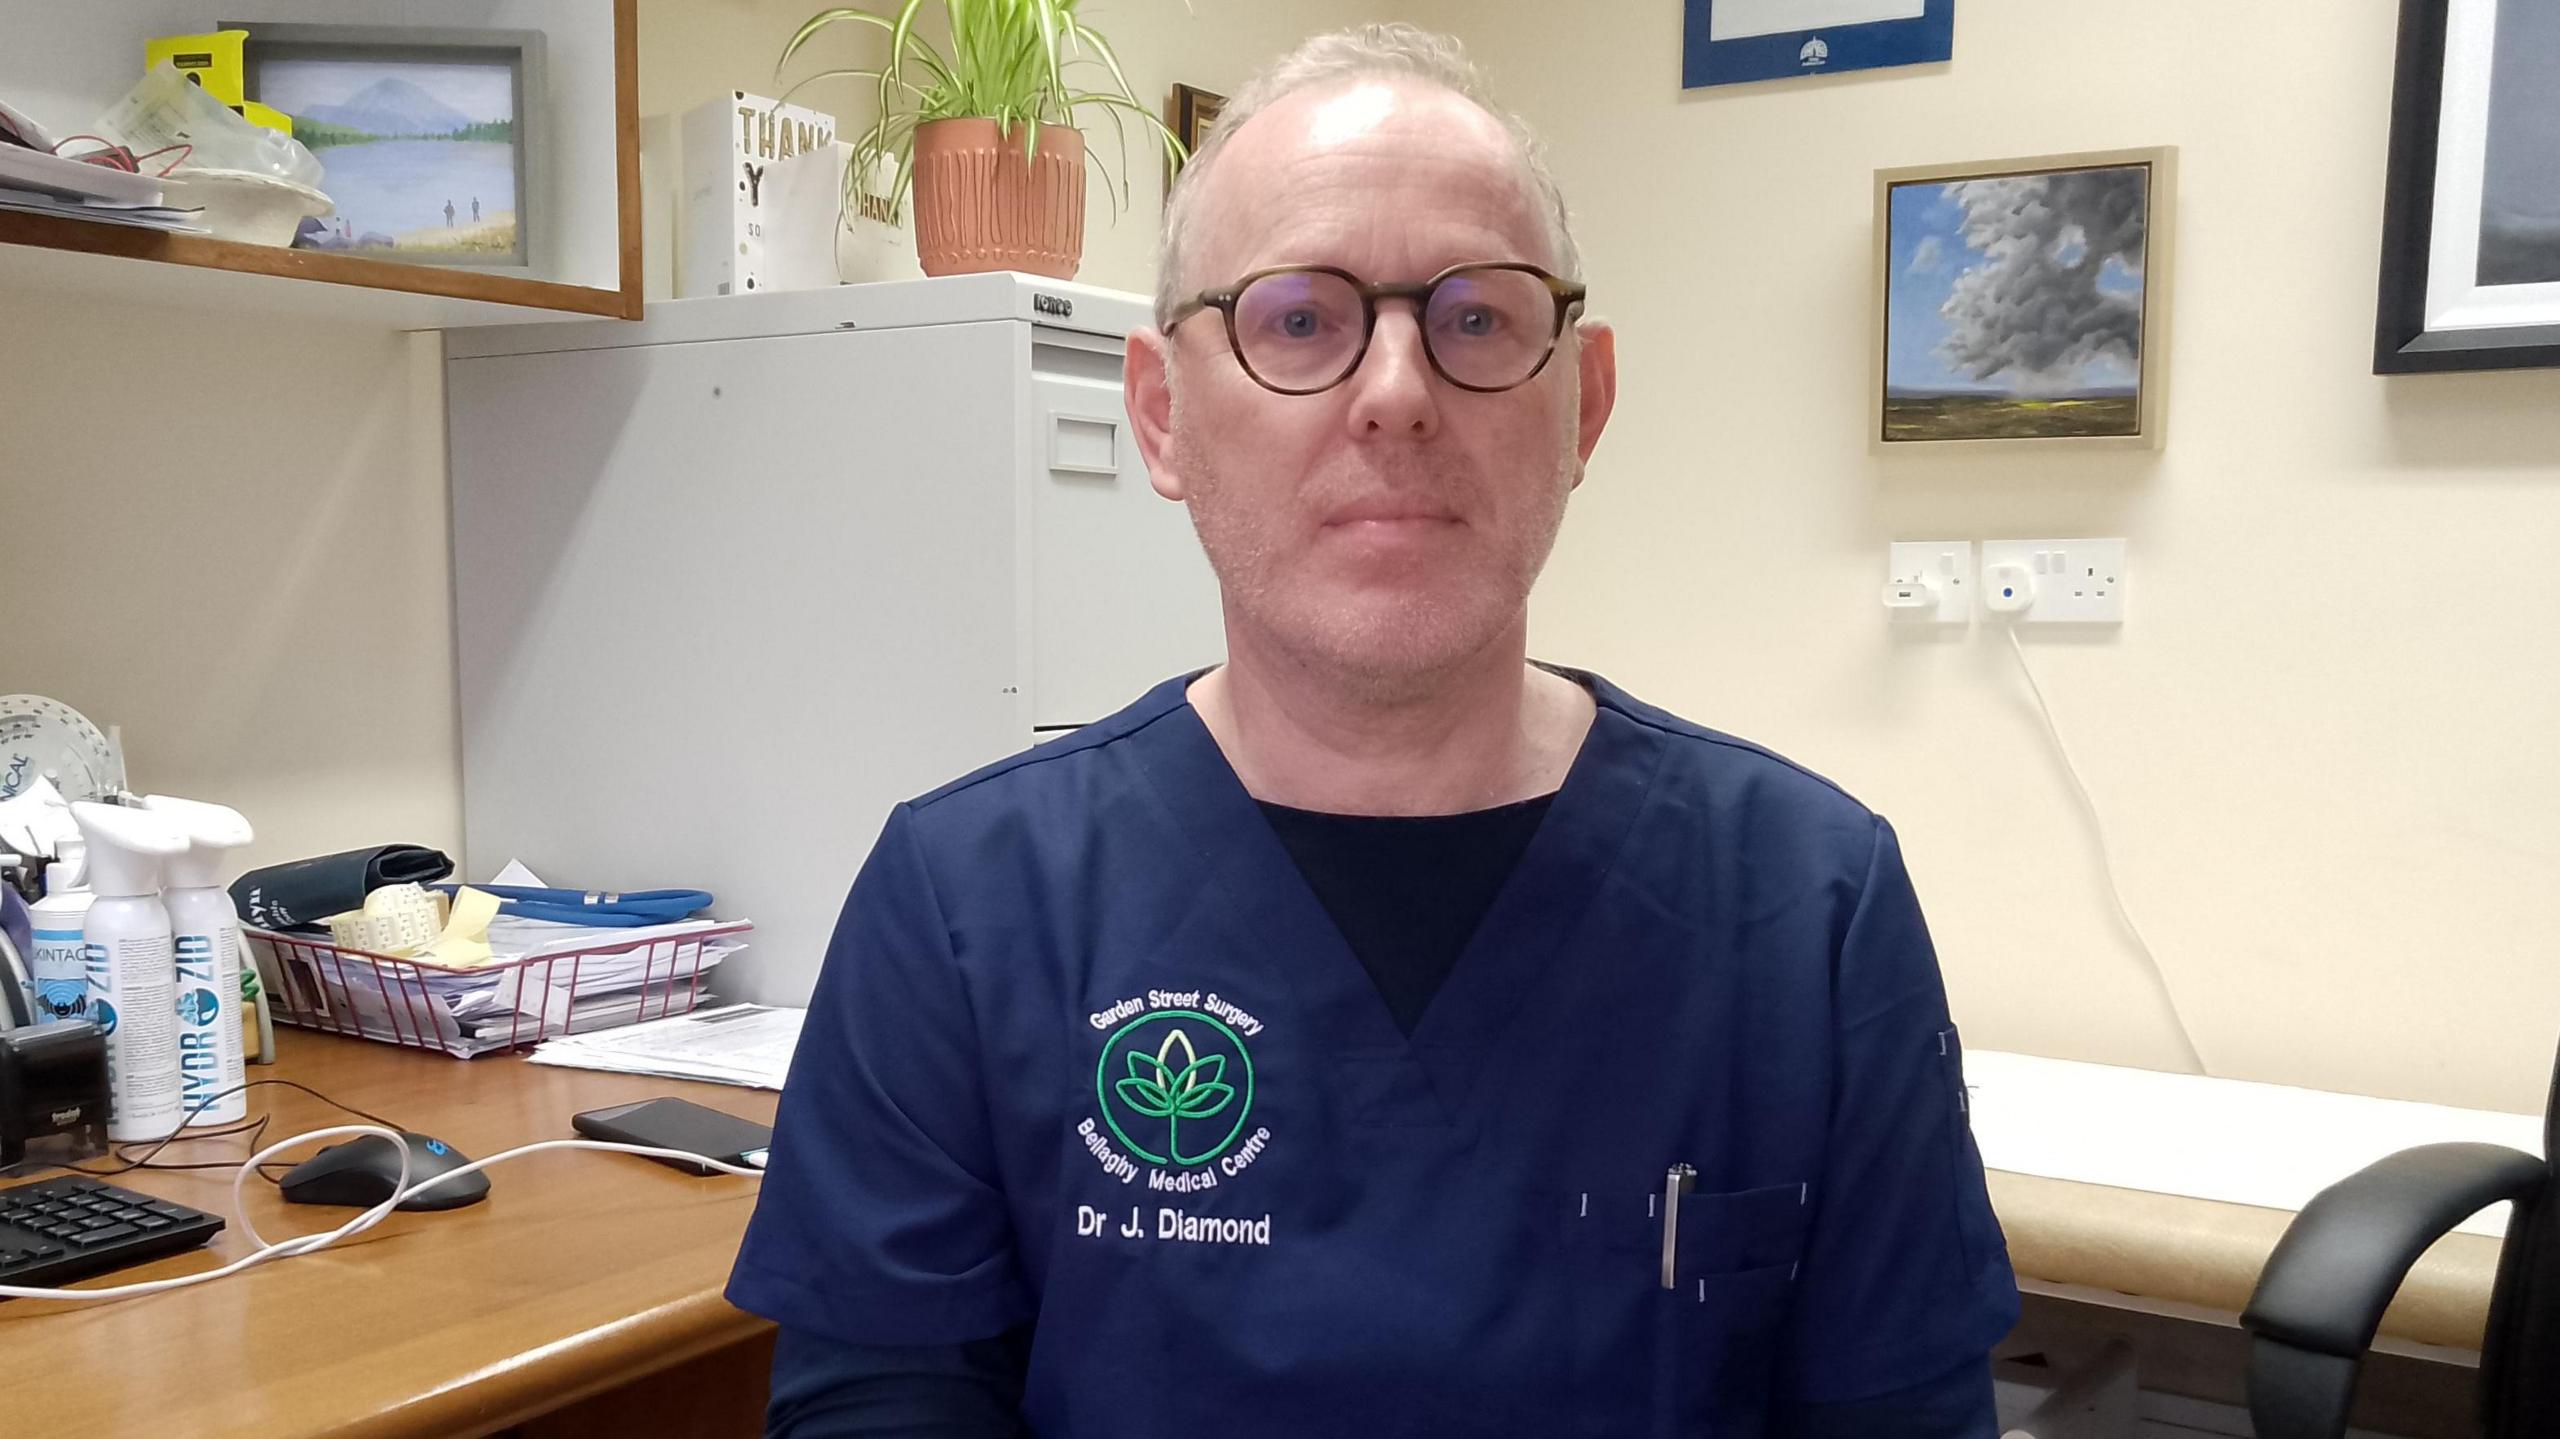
2520	1357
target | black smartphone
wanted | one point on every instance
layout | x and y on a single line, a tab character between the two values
680	1124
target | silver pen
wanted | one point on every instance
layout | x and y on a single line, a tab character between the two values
1677	1182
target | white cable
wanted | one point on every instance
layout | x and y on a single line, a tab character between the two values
2106	854
313	1243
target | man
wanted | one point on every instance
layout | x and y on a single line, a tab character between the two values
1378	1034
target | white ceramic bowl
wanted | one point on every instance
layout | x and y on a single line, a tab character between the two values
245	205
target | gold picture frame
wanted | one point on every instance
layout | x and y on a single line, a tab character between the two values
2080	241
1189	112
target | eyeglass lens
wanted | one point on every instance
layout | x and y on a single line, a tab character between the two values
1304	330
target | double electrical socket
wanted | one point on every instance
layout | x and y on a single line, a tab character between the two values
2034	581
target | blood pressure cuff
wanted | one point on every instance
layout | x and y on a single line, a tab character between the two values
307	891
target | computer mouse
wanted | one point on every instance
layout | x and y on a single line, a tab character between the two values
363	1171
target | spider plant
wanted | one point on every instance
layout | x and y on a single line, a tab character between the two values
1009	61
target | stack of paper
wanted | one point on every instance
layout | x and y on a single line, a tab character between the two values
657	970
45	184
146	217
744	1044
640	973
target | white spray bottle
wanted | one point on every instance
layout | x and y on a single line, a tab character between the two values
206	931
61	975
129	948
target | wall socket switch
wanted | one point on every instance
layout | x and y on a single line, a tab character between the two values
1929	582
2055	581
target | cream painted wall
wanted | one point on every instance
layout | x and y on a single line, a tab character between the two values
2323	743
228	536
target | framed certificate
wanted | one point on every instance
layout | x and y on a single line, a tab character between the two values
1734	42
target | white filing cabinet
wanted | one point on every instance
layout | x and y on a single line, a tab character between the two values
731	581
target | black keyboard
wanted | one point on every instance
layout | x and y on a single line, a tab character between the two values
57	1230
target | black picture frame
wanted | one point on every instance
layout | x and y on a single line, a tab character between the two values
2402	342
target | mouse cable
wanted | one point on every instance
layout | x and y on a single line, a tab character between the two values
270	1250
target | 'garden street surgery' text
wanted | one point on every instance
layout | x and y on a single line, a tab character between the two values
1209	1004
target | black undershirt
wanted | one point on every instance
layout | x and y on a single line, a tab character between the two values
1407	892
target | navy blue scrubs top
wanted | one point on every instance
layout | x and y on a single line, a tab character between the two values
1087	1053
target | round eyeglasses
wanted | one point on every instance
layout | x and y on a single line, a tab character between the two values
1302	329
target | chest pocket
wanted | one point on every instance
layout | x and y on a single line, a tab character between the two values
1705	1348
1719	1233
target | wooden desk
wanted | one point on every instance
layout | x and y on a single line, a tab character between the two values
581	1295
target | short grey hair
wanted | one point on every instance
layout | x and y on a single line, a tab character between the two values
1359	53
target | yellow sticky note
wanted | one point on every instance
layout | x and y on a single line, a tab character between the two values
465	941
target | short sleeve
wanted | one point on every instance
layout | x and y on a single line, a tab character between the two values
1905	1274
881	1220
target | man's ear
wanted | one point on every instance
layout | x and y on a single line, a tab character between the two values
1597	354
1146	388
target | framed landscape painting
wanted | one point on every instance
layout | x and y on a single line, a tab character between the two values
2024	302
427	139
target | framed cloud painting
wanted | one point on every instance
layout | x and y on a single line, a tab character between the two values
2024	302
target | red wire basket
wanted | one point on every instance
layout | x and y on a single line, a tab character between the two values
505	1004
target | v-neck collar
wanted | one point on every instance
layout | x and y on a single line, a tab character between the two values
1388	1079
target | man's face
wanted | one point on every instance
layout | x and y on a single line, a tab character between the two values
1388	529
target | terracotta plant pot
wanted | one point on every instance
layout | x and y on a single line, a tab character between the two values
980	206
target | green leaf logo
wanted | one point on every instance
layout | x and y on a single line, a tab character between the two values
1146	1096
1177	1079
1202	1102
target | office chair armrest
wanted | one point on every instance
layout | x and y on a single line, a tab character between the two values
2320	1298
2340	1261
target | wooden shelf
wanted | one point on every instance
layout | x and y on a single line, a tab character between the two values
321	266
197	271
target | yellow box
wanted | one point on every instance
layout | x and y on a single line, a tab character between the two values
212	61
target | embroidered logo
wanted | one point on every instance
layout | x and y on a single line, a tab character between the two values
1176	1087
1174	1083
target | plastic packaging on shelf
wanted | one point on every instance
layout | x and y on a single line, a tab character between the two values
162	110
252	184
